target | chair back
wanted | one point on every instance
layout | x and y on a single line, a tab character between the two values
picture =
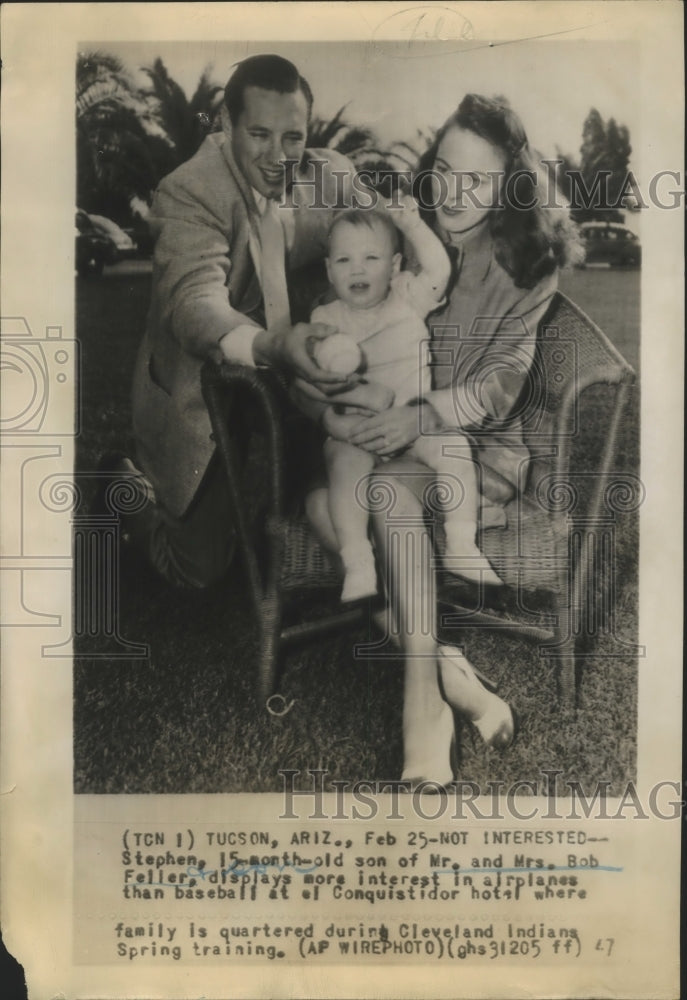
571	355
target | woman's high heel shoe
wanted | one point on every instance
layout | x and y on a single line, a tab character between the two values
437	769
492	716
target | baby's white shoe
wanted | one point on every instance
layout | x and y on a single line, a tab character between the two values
463	558
361	574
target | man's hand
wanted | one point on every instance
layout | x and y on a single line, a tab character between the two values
288	349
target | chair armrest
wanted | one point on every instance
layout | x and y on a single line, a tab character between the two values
260	379
225	387
586	488
573	356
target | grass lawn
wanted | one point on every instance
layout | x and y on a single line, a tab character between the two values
185	719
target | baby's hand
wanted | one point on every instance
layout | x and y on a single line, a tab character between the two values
404	211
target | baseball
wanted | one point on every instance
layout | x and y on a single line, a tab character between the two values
338	353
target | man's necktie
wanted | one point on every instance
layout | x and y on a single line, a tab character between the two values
272	267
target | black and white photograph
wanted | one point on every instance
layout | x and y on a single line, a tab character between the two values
412	557
341	434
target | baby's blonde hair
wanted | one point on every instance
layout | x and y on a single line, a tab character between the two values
369	217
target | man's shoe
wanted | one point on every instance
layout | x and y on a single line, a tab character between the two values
122	488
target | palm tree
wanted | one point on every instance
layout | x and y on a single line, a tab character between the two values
408	153
354	141
99	77
114	158
183	123
360	144
393	167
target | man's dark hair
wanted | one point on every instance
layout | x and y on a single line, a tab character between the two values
268	72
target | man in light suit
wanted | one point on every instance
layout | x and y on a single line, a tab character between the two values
210	300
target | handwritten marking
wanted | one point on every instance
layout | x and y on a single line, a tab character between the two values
534	38
421	24
429	23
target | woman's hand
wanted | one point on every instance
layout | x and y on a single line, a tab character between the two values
339	425
388	432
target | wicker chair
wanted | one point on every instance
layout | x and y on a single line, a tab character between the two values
549	556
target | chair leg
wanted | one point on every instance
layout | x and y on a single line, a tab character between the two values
566	613
270	629
270	610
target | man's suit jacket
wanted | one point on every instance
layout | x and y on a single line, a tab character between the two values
204	285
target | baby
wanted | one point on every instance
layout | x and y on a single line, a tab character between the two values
383	309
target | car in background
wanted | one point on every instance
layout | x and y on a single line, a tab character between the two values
99	241
610	243
93	249
122	241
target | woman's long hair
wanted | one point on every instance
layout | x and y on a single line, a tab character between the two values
530	242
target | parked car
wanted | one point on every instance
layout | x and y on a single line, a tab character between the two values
99	241
123	243
610	243
93	249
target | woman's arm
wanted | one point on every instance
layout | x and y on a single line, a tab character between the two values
394	429
502	349
509	342
340	425
366	397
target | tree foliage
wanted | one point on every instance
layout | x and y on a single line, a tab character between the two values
356	142
129	137
604	153
183	122
114	158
